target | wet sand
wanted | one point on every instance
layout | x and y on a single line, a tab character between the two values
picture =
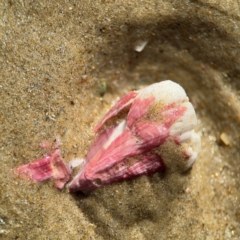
55	58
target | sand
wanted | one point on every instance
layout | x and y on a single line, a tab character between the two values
63	64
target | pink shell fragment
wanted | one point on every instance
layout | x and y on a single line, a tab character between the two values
159	121
50	166
123	170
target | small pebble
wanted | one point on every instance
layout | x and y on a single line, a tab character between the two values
225	139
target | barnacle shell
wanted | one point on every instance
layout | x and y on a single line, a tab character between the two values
157	132
160	121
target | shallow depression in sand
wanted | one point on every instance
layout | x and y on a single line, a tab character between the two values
62	66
